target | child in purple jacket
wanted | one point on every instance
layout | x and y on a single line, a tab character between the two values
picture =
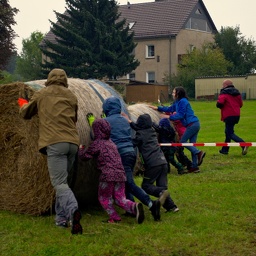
112	178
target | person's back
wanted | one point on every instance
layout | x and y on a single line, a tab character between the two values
120	127
147	142
230	102
167	134
155	175
106	153
57	107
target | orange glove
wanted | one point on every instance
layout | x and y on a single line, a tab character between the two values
22	102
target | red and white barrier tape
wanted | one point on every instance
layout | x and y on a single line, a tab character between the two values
218	144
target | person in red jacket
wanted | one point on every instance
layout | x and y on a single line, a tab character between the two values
230	102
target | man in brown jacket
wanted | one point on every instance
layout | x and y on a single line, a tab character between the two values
56	107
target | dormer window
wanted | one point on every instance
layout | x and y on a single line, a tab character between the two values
131	24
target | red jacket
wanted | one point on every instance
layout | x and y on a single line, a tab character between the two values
230	102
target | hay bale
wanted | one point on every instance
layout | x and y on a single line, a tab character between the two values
24	185
138	109
135	111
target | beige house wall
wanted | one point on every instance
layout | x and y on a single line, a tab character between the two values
166	53
211	86
159	65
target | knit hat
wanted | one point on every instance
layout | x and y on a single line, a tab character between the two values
227	83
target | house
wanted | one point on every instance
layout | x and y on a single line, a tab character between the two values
164	31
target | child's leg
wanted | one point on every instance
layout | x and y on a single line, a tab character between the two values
127	205
120	198
150	176
105	192
182	158
162	183
172	160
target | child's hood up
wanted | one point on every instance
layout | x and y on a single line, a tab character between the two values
144	122
101	129
111	106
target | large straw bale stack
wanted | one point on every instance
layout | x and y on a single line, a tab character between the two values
24	185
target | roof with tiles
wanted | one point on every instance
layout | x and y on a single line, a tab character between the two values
156	19
160	18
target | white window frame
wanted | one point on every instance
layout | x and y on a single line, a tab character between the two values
149	77
150	51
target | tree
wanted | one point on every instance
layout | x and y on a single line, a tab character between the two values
91	41
30	60
207	61
7	34
238	50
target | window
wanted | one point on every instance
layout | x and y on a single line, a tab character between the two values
132	76
150	51
150	77
131	24
198	24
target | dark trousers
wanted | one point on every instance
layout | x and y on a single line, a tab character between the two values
230	123
157	175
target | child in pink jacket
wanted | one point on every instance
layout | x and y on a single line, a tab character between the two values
112	178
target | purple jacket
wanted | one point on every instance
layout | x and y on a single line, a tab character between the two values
105	151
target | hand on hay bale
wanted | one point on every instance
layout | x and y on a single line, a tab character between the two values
90	118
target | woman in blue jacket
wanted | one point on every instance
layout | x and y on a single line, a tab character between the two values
182	111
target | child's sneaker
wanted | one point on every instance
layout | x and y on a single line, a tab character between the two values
62	224
155	210
90	118
139	213
174	209
76	227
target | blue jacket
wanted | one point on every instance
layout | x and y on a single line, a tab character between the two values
183	110
120	128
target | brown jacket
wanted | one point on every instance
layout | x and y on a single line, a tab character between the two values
56	107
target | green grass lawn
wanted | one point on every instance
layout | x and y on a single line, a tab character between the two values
217	209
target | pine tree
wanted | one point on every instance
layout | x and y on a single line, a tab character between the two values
7	34
91	41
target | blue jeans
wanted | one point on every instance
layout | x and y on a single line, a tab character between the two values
230	123
191	135
129	161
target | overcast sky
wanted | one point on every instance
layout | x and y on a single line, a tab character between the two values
35	15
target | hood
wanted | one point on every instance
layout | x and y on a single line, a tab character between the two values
101	129
231	90
57	77
111	106
165	122
143	122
